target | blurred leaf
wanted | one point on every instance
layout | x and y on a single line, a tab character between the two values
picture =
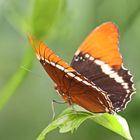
45	13
70	120
18	15
16	79
131	19
42	23
36	17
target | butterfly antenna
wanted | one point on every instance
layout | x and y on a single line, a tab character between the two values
38	75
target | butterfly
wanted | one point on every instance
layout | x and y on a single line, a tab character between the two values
96	78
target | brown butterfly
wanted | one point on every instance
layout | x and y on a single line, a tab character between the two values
96	79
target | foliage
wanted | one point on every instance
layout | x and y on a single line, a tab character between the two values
40	18
71	119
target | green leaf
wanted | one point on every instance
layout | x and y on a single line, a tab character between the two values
70	120
42	23
37	17
45	12
16	79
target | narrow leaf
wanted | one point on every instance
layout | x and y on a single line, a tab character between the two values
42	22
45	13
16	79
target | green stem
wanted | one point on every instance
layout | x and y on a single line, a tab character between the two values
16	79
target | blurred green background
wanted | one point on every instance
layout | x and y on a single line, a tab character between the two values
26	91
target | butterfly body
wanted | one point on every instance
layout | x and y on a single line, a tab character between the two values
96	78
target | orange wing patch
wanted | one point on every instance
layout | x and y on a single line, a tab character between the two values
42	51
103	44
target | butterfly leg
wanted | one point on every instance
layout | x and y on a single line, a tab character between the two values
53	107
72	106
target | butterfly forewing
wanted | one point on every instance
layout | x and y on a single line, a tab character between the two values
102	43
72	86
99	60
